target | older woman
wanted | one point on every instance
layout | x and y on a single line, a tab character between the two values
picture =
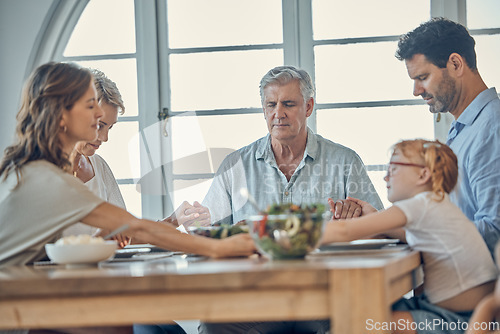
39	198
93	170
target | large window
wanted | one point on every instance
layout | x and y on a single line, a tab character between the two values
364	97
189	72
104	38
216	59
484	24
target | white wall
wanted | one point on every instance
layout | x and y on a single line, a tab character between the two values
20	25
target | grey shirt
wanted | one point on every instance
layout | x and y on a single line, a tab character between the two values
326	170
36	211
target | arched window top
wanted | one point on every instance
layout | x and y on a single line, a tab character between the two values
105	27
188	55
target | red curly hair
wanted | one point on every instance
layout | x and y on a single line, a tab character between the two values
436	156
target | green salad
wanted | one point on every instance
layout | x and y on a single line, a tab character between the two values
219	231
288	230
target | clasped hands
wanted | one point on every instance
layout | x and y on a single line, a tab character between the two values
199	215
349	208
187	215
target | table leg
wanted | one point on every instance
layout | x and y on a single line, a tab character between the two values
359	301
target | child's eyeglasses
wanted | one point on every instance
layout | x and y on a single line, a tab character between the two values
392	164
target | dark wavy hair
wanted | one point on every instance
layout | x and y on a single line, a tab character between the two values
51	89
437	39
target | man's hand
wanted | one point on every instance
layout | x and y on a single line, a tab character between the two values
187	215
350	208
344	208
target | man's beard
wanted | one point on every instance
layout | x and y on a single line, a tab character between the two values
444	95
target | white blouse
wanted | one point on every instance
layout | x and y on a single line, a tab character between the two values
104	185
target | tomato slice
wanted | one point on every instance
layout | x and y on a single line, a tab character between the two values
262	226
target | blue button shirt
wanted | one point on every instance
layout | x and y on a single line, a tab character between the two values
475	139
326	170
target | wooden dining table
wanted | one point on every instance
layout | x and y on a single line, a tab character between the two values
354	291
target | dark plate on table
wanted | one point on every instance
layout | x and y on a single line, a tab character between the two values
359	244
135	250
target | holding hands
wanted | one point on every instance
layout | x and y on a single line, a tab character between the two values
350	208
199	215
187	215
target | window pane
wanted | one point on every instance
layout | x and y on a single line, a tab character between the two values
121	152
132	199
124	73
192	136
488	49
483	14
219	80
200	144
377	178
354	128
199	23
374	73
372	131
192	190
105	27
364	18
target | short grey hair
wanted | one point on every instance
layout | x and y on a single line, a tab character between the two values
282	75
107	92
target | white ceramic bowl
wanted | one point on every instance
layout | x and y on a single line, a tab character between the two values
82	253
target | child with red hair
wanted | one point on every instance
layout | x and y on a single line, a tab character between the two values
458	268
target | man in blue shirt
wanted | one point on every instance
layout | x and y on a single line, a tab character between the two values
441	61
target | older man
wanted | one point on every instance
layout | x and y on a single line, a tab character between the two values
291	164
441	60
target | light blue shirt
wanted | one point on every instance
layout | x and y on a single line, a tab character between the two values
326	170
475	139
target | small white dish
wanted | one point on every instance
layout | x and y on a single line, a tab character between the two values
81	253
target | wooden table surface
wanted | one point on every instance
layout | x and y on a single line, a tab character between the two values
351	290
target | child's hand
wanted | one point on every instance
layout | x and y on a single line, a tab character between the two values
366	208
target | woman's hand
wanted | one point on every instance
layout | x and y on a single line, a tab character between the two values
237	245
121	239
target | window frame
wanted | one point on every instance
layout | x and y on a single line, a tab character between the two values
153	68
